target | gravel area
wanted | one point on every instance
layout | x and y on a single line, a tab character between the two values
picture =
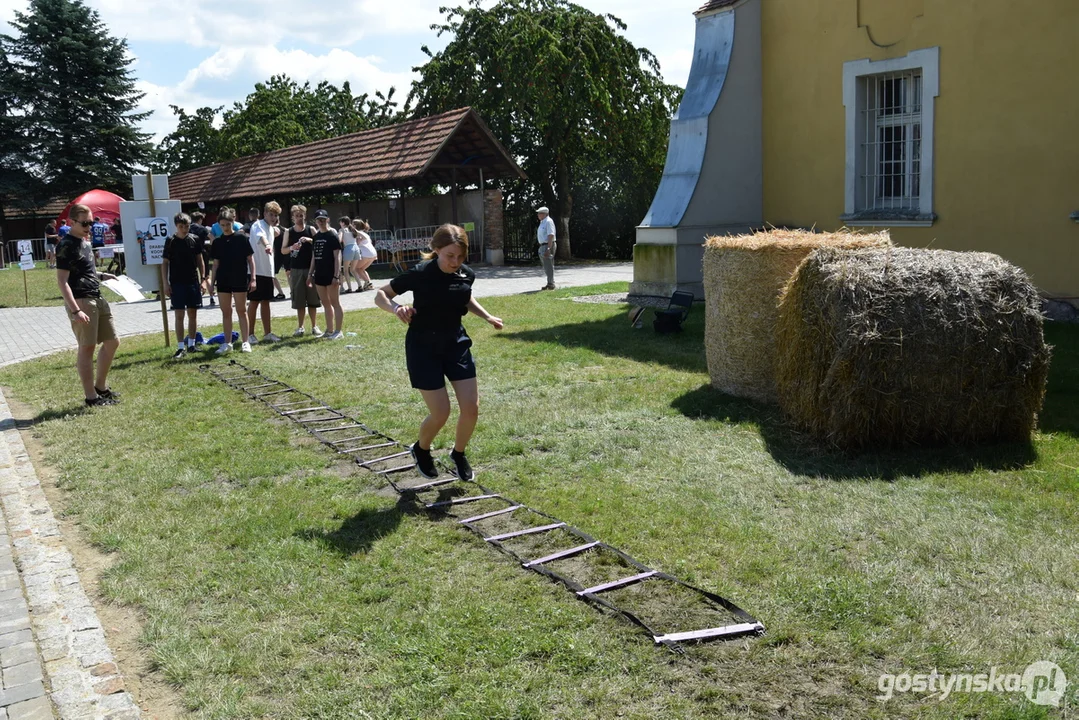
623	299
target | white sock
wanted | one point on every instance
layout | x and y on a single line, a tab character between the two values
191	342
181	344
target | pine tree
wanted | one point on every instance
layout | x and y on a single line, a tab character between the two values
18	187
76	92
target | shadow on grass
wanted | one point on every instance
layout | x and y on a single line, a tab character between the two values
1060	413
359	532
801	455
616	337
43	417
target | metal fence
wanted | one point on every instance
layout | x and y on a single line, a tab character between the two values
10	249
402	247
519	244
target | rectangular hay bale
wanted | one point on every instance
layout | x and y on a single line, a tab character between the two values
903	346
743	277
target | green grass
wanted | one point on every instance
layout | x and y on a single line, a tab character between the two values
41	289
278	582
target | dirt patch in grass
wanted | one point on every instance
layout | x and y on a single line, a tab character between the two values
123	626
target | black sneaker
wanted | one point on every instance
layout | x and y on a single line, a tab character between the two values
424	462
100	401
108	394
461	466
179	354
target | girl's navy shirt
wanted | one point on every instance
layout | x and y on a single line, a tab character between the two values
440	299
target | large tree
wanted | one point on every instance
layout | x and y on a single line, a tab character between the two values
18	187
557	83
279	113
77	95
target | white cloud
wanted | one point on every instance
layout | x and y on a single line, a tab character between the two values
243	67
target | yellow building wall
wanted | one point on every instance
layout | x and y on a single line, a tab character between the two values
1007	120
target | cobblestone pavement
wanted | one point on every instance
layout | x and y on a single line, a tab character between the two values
27	333
54	661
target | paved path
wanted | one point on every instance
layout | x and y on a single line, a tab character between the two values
54	661
26	333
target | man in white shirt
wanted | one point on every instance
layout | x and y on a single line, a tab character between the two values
545	237
261	238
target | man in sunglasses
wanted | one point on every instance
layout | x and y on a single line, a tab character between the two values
91	317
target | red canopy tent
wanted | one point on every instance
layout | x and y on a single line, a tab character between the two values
102	203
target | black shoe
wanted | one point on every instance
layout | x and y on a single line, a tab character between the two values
212	303
100	401
460	463
108	393
179	354
279	296
424	462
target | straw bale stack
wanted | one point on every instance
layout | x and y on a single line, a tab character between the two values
743	276
902	346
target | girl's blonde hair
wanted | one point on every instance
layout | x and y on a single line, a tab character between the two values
361	225
448	235
298	209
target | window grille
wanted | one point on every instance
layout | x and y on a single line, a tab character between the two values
891	153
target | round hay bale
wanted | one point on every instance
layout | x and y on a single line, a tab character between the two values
743	276
903	346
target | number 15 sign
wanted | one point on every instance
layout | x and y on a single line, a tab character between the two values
151	233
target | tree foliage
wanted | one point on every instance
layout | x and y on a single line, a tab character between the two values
75	95
586	113
279	113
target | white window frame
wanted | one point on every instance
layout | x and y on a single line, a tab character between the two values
928	62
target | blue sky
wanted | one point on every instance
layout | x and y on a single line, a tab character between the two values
192	53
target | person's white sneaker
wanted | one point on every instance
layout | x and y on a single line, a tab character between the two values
252	340
335	335
270	338
316	331
246	347
225	348
298	333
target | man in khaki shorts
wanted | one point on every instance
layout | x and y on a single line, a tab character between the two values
91	318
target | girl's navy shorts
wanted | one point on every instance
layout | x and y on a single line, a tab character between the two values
432	355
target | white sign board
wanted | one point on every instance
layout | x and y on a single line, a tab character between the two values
26	247
139	210
26	262
152	232
139	191
104	252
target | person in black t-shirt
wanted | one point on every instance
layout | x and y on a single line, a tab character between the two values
91	317
325	273
201	231
436	344
297	245
234	276
183	275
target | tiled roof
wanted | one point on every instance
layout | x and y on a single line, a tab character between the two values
424	151
715	5
50	210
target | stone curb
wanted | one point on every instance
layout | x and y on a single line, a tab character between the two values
81	672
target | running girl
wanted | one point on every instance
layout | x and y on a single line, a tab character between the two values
436	344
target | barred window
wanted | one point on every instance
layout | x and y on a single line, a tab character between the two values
889	164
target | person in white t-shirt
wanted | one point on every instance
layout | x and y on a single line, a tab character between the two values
349	252
545	235
261	238
368	254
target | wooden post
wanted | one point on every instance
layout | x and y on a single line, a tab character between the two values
160	283
453	198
